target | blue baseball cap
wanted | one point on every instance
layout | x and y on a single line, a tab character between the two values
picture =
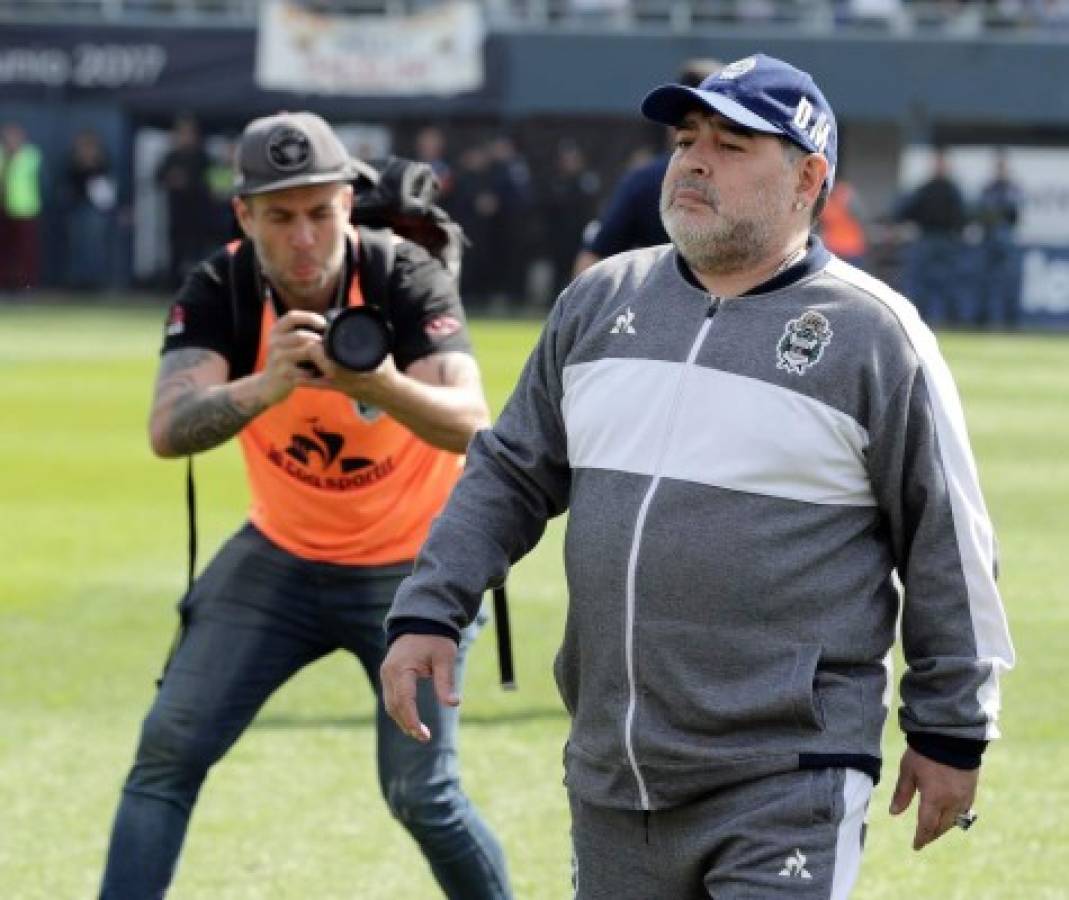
761	93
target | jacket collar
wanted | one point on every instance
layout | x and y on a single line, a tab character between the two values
815	259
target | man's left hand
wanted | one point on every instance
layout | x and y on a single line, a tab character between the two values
945	793
373	388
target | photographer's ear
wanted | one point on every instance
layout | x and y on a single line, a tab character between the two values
243	213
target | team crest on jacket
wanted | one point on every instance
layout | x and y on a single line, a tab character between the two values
803	342
623	324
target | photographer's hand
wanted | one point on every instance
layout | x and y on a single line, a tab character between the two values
439	397
290	344
374	388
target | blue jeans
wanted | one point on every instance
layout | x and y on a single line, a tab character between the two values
1000	281
253	619
89	248
935	278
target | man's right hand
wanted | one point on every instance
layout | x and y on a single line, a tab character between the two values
412	657
288	346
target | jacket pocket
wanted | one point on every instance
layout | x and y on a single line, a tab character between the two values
838	699
808	710
696	690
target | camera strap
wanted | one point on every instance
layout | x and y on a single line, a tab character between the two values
191	521
504	639
374	261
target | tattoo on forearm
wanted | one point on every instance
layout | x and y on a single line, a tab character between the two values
200	423
200	418
181	361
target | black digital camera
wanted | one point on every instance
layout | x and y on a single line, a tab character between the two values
356	337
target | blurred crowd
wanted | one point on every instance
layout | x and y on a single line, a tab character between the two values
902	16
961	264
530	225
85	195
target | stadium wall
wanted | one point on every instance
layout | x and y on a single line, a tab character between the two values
921	81
888	92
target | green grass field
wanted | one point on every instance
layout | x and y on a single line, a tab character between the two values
93	541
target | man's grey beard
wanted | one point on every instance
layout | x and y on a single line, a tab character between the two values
716	246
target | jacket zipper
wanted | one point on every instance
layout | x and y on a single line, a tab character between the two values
632	564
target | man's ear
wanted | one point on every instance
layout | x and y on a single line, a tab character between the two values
811	177
243	214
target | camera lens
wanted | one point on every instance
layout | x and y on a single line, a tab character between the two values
358	337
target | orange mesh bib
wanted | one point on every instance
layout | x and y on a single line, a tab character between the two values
335	482
841	231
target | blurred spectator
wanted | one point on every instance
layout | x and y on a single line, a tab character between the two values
599	13
430	148
220	179
183	175
842	224
1049	13
754	12
933	270
91	196
997	212
632	216
510	177
20	210
878	13
567	204
475	204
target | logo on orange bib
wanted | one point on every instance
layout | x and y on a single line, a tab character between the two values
322	451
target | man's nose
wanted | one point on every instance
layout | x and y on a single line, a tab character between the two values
695	161
302	234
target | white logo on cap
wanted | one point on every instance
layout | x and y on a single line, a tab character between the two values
818	129
737	68
288	149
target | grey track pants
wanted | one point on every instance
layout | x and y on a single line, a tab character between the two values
797	835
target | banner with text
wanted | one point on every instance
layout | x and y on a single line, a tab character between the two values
1044	291
437	52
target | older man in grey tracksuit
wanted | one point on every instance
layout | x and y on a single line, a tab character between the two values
765	464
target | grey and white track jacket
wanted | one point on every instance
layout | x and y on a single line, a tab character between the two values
755	486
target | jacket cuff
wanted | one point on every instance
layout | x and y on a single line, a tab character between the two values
956	752
414	625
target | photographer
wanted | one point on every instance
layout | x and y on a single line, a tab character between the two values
346	470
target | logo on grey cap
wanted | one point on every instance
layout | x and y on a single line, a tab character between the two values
288	149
